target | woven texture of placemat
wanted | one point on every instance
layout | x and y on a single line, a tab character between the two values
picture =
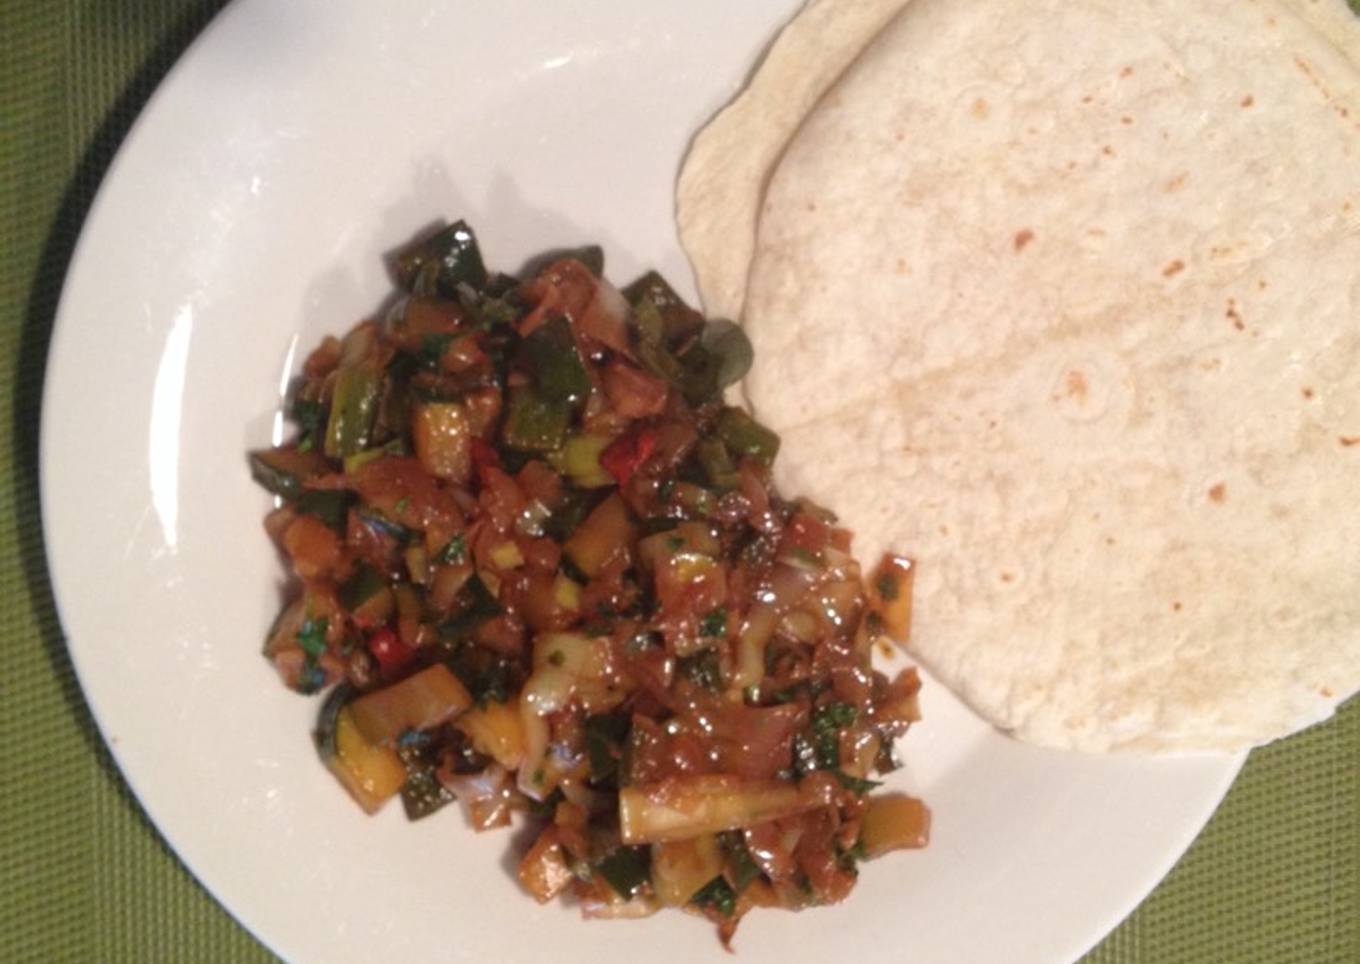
1274	878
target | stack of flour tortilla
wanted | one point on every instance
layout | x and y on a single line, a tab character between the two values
1062	299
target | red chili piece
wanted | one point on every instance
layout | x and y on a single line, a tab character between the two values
625	455
390	652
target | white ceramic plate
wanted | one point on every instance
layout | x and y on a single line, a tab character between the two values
244	219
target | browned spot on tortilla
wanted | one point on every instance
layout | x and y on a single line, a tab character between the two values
1212	364
902	266
1075	385
1126	72
1177	606
1032	131
1262	284
1023	237
1325	693
1008	577
1218	493
1176	183
1305	68
1348	440
944	530
980	108
1087	99
812	205
1109	540
1173	268
1270	21
1235	316
1248	100
1307	393
1126	120
899	136
1343	111
1107	150
1346	206
885	649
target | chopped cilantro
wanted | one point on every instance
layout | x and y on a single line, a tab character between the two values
641	642
827	723
402	505
702	669
848	860
556	657
856	785
311	679
834	715
804	755
741	869
455	552
715	623
887	587
312	637
718	895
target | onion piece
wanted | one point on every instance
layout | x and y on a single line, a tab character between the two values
682	807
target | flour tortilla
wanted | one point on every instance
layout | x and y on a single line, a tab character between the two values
718	195
1063	299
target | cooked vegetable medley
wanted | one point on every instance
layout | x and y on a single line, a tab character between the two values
542	568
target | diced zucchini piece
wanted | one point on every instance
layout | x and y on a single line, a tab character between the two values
534	422
331	506
580	461
371	773
496	730
368	597
439	263
506	556
893	822
681	868
549	355
354	407
717	463
283	470
745	436
627	870
443	440
419	702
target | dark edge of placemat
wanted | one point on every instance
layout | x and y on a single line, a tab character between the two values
102	885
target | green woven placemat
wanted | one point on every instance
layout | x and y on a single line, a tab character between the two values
1274	878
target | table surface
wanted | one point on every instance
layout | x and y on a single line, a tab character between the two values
1275	877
